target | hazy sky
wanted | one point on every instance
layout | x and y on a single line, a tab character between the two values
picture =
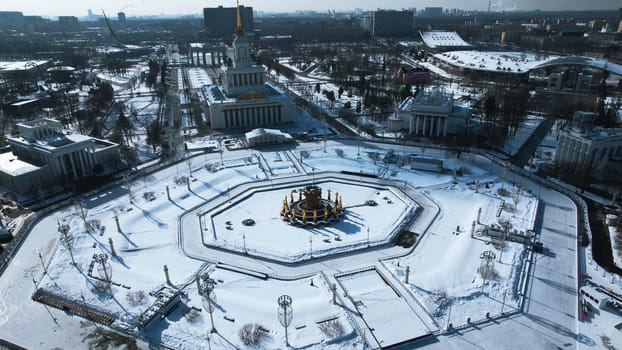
155	7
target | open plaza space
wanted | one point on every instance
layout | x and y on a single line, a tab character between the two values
451	247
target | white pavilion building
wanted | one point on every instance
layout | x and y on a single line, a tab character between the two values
245	100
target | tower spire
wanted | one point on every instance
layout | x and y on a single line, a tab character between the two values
238	28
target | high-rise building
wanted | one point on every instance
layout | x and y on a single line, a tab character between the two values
388	23
11	18
433	11
68	20
220	21
121	16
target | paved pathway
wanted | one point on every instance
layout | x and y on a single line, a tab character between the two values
548	320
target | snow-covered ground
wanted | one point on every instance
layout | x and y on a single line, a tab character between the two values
146	240
455	279
224	227
514	142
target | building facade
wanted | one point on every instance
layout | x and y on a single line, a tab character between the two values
587	148
42	155
388	23
245	100
433	113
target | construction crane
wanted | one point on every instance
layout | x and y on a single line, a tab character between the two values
112	33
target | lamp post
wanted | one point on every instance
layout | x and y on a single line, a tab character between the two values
358	145
221	151
104	269
200	222
285	313
66	240
208	298
45	270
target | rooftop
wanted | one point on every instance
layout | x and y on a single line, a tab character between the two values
217	94
13	166
597	133
438	39
495	61
262	131
12	66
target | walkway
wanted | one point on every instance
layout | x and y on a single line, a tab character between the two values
191	242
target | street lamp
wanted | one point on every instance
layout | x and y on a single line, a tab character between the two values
285	313
66	240
104	269
200	222
45	270
208	298
358	145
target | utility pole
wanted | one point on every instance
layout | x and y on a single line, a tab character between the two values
45	270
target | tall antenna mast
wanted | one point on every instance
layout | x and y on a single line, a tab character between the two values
489	1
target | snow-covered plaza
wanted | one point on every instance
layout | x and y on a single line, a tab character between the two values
417	255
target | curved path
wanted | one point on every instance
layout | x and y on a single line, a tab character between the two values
191	239
547	321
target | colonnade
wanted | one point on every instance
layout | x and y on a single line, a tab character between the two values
428	125
253	116
198	55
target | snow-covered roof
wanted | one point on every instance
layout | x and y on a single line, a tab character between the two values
217	94
437	39
261	131
584	61
9	164
429	100
20	65
198	78
497	61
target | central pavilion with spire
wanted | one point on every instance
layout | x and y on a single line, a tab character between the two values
245	100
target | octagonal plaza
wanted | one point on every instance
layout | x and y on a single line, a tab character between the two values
374	213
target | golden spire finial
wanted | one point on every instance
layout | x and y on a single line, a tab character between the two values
238	28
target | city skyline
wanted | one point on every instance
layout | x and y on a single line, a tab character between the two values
164	7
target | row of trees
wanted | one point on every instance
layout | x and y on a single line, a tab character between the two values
504	109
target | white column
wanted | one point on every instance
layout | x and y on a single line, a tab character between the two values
438	126
56	166
73	166
417	121
81	158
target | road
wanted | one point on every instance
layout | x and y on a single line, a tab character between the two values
529	147
549	316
